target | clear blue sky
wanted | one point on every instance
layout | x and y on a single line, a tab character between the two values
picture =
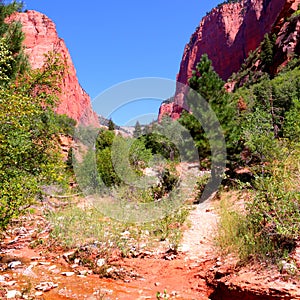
113	41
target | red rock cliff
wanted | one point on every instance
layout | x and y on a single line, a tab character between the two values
40	38
227	34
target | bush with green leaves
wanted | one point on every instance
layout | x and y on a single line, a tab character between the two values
120	158
270	226
29	152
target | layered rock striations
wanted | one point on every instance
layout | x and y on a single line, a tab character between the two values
227	34
40	38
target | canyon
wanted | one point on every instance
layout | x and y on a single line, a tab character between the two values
227	34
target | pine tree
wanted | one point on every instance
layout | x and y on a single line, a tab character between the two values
205	80
12	39
137	130
267	52
111	125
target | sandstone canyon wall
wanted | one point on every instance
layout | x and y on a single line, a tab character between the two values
227	34
40	38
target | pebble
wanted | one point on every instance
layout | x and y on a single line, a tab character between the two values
37	294
125	233
35	258
28	272
55	271
9	283
68	274
52	267
288	268
100	262
45	263
14	264
110	270
170	257
13	294
83	272
46	286
67	254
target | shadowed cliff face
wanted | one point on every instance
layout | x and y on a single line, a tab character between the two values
227	34
40	38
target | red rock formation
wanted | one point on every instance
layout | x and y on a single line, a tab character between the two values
227	34
287	43
40	38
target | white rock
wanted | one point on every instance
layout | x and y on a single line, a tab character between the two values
46	286
100	262
76	261
13	264
67	254
83	272
45	263
9	283
126	233
288	268
68	274
28	272
13	294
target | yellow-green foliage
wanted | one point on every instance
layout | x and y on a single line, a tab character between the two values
74	227
28	145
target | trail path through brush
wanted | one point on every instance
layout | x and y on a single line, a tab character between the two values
181	275
197	241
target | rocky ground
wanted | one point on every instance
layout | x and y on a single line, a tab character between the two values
33	268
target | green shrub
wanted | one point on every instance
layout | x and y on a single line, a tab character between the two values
28	142
270	226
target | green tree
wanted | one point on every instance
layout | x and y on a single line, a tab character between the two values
111	125
205	80
267	52
12	38
206	85
105	139
29	151
138	154
137	130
